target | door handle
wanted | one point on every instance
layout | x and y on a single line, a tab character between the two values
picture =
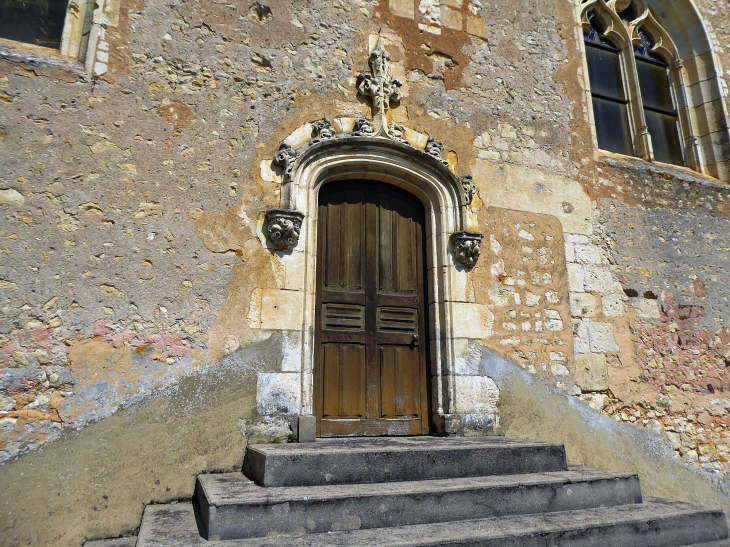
415	338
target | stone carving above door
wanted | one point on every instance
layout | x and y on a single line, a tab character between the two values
283	228
467	247
285	157
367	136
467	183
380	87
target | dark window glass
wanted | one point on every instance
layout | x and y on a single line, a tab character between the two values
645	50
610	107
654	83
604	72
38	22
664	136
656	95
612	126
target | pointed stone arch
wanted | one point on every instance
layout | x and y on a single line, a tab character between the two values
684	41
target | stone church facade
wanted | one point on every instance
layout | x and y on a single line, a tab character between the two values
188	266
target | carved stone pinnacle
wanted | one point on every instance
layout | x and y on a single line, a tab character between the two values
379	87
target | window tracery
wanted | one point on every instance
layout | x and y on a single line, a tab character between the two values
636	84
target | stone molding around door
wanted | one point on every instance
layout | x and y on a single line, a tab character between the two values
350	148
450	224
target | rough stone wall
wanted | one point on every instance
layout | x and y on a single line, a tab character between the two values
528	291
133	257
668	249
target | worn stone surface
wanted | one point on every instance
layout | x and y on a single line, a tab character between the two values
657	523
150	451
523	277
134	255
394	459
529	407
227	497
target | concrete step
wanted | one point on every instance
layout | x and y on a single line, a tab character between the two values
655	523
233	507
350	461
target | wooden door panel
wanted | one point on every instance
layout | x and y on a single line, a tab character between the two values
397	246
345	242
400	381
344	380
370	360
406	246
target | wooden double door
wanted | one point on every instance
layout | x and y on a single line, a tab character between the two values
370	374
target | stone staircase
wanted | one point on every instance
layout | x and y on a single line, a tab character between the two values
488	491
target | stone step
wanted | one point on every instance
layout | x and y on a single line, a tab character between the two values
654	523
351	461
232	506
129	541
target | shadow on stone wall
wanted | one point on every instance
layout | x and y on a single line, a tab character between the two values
530	408
95	482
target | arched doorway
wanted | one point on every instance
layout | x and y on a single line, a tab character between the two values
370	354
450	242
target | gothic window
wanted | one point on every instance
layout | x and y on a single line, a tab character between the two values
659	110
636	83
610	104
38	23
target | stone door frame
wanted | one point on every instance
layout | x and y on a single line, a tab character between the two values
445	202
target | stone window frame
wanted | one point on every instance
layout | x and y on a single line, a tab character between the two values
625	35
82	48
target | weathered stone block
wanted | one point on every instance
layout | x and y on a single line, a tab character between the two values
278	393
613	304
591	372
475	25
587	254
476	395
600	280
581	343
517	190
472	320
403	8
281	309
307	429
646	308
583	304
601	337
576	278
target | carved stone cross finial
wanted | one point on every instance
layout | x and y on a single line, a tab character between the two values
379	87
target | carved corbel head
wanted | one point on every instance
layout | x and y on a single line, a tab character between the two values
363	128
469	188
434	148
467	246
285	157
397	132
283	228
322	130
